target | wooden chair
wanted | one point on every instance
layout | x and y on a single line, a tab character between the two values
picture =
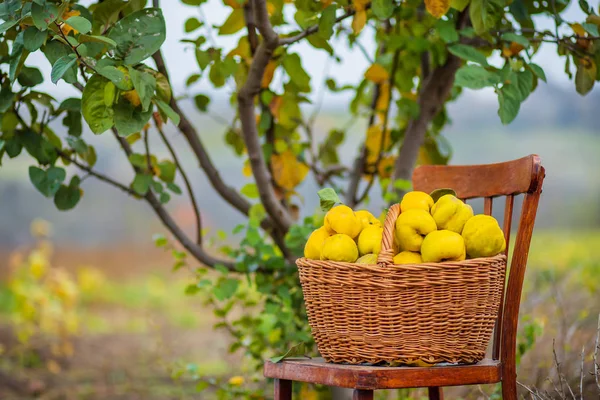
509	179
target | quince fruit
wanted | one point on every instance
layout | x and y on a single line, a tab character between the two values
339	248
367	259
369	240
407	257
451	214
315	242
416	200
411	227
341	219
367	219
483	237
443	245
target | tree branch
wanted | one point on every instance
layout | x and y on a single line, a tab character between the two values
245	96
197	251
251	26
434	92
186	182
315	28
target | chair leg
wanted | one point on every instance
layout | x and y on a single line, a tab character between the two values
283	389
362	394
509	389
436	393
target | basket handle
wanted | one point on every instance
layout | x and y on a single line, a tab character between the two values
388	246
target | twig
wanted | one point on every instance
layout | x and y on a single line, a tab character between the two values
581	374
251	26
186	182
315	28
560	381
147	148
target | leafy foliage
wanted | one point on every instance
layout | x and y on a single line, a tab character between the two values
104	50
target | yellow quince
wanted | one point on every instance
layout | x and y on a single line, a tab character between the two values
341	219
450	213
411	227
483	237
416	200
369	240
339	247
367	219
407	257
443	245
315	242
367	259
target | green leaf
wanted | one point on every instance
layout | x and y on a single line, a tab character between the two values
6	25
447	31
96	39
67	197
225	288
592	29
54	50
437	193
509	103
326	22
130	119
193	2
319	43
328	198
164	198
71	104
99	117
6	98
475	77
61	66
202	102
47	181
138	35
160	240
43	15
30	77
382	9
468	53
144	84
174	188
459	5
167	171
298	76
169	112
513	37
117	77
298	350
80	24
524	82
485	13
141	183
33	38
250	190
234	22
585	76
538	71
191	24
17	58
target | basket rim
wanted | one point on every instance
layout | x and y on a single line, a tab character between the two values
303	261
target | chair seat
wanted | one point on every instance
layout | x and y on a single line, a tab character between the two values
364	377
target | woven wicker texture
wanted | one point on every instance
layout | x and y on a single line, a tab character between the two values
435	312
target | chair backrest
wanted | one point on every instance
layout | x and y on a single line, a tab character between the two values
489	181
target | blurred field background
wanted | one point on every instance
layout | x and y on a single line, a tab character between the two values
135	334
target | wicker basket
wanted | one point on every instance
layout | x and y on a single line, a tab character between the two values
434	312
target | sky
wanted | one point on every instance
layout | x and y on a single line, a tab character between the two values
181	60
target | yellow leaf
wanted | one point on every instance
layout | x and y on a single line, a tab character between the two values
376	73
271	8
359	21
268	74
132	97
386	166
247	170
373	142
234	23
66	29
578	29
326	3
360	5
288	172
53	366
242	50
437	8
383	100
236	380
